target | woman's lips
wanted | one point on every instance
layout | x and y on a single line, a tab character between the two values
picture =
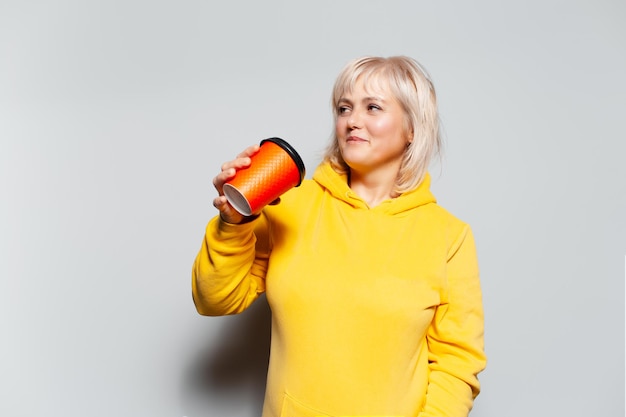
355	139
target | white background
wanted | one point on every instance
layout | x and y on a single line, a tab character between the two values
116	115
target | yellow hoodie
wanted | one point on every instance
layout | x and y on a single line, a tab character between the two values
375	311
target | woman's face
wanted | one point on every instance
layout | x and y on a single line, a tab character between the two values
370	130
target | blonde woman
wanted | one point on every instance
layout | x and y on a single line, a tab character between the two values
374	288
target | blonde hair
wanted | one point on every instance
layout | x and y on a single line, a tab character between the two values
410	84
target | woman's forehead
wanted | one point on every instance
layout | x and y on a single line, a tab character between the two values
372	83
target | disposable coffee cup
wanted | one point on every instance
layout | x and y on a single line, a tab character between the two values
274	170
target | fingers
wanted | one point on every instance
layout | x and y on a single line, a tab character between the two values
249	151
228	171
223	177
230	168
227	212
220	203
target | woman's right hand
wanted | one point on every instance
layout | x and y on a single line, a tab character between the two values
229	169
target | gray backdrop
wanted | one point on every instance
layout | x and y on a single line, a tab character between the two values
116	115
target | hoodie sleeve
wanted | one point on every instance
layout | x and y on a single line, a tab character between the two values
228	273
455	338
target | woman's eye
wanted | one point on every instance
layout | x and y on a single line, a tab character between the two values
373	107
343	109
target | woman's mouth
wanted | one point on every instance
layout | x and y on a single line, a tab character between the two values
355	139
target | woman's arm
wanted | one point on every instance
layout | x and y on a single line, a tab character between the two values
229	271
455	337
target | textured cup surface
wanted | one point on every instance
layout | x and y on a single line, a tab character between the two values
274	170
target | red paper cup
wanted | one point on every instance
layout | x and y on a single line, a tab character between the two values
274	170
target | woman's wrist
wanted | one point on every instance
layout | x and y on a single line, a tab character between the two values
244	219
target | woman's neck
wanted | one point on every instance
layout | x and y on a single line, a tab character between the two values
372	188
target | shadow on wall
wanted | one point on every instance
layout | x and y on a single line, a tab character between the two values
228	375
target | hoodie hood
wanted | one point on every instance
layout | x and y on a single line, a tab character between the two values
337	186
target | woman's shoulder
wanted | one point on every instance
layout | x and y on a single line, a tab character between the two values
306	189
297	199
444	218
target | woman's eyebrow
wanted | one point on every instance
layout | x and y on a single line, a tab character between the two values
374	98
364	99
344	100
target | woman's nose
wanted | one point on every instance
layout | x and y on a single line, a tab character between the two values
354	121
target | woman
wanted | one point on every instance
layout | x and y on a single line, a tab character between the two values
374	288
